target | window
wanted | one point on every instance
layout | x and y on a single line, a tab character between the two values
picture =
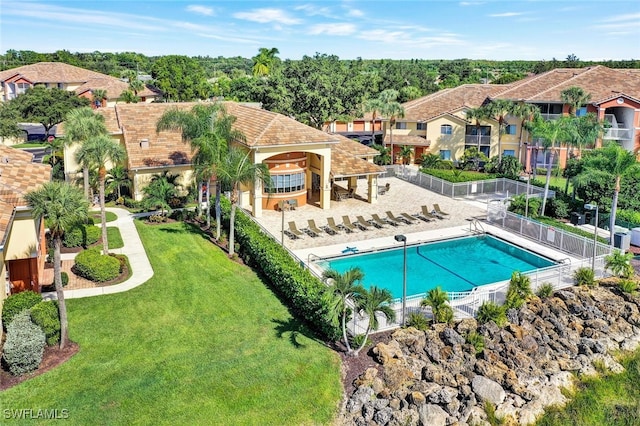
445	154
421	126
510	129
581	111
446	129
60	85
287	183
401	125
509	153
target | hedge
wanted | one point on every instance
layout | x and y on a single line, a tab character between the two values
17	303
298	287
81	236
93	265
24	346
457	176
46	316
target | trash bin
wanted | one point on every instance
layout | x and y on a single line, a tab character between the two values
622	241
635	236
577	218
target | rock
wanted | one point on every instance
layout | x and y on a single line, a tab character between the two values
630	344
360	397
384	353
432	415
410	339
488	390
417	398
397	375
405	417
366	378
451	337
367	412
436	374
468	325
383	416
607	362
530	412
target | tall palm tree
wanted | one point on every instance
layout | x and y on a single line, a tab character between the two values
575	97
527	113
81	124
342	288
437	299
98	151
374	106
581	131
118	178
499	109
392	110
263	62
373	302
62	206
136	86
611	163
238	169
476	116
551	132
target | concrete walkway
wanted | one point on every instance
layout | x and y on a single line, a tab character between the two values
141	270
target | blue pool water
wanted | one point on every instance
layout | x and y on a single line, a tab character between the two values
454	265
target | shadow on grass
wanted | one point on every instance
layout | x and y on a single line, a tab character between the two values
293	329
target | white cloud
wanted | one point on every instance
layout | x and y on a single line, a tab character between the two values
355	13
333	29
619	18
313	10
505	14
267	15
202	10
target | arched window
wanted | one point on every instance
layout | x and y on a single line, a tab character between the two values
446	129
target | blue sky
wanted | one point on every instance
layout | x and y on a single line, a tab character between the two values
500	30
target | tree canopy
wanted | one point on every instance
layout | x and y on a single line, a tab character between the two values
180	78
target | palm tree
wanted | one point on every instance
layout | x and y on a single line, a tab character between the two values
127	96
551	132
383	157
477	115
374	106
342	288
581	131
373	302
99	95
620	264
575	97
62	206
437	299
527	113
499	109
159	192
405	153
237	169
136	86
98	151
263	62
392	110
117	179
611	163
81	124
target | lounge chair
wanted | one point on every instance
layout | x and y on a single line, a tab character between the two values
436	208
410	219
378	222
346	224
293	232
313	228
429	215
397	220
331	227
362	223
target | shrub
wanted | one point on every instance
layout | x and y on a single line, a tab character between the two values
545	290
24	346
131	203
628	286
356	341
94	266
476	340
177	215
519	290
299	289
46	316
81	236
17	303
620	264
584	276
417	320
156	218
557	207
490	311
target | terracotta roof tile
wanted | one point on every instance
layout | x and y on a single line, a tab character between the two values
354	147
407	140
343	164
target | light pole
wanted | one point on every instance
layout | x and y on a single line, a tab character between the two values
401	238
282	210
592	207
526	203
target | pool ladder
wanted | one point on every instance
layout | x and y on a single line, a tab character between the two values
476	227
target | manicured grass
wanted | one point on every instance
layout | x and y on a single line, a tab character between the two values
569	228
31	145
203	342
114	237
612	400
110	216
557	181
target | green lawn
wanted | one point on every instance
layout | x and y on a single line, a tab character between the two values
110	216
32	145
114	237
203	342
612	400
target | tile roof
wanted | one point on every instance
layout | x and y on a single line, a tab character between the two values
600	82
344	164
407	140
18	175
354	147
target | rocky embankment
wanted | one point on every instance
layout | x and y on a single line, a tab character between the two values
436	378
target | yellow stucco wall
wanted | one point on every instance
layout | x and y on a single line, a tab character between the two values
22	241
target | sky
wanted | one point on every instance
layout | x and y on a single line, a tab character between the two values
373	29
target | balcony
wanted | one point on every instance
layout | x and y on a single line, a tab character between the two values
473	140
617	134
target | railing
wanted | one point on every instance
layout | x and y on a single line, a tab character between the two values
490	188
567	242
476	227
618	134
475	140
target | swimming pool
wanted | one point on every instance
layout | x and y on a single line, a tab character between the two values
455	265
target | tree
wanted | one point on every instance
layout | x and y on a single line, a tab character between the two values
118	178
384	156
237	169
609	164
9	119
48	107
372	302
96	152
409	93
159	192
80	125
527	113
406	152
99	95
128	97
63	207
343	287
437	299
392	110
374	106
179	77
575	97
136	86
551	132
620	264
264	61
519	290
581	131
476	116
498	109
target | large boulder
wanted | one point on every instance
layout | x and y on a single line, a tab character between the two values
488	390
432	415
